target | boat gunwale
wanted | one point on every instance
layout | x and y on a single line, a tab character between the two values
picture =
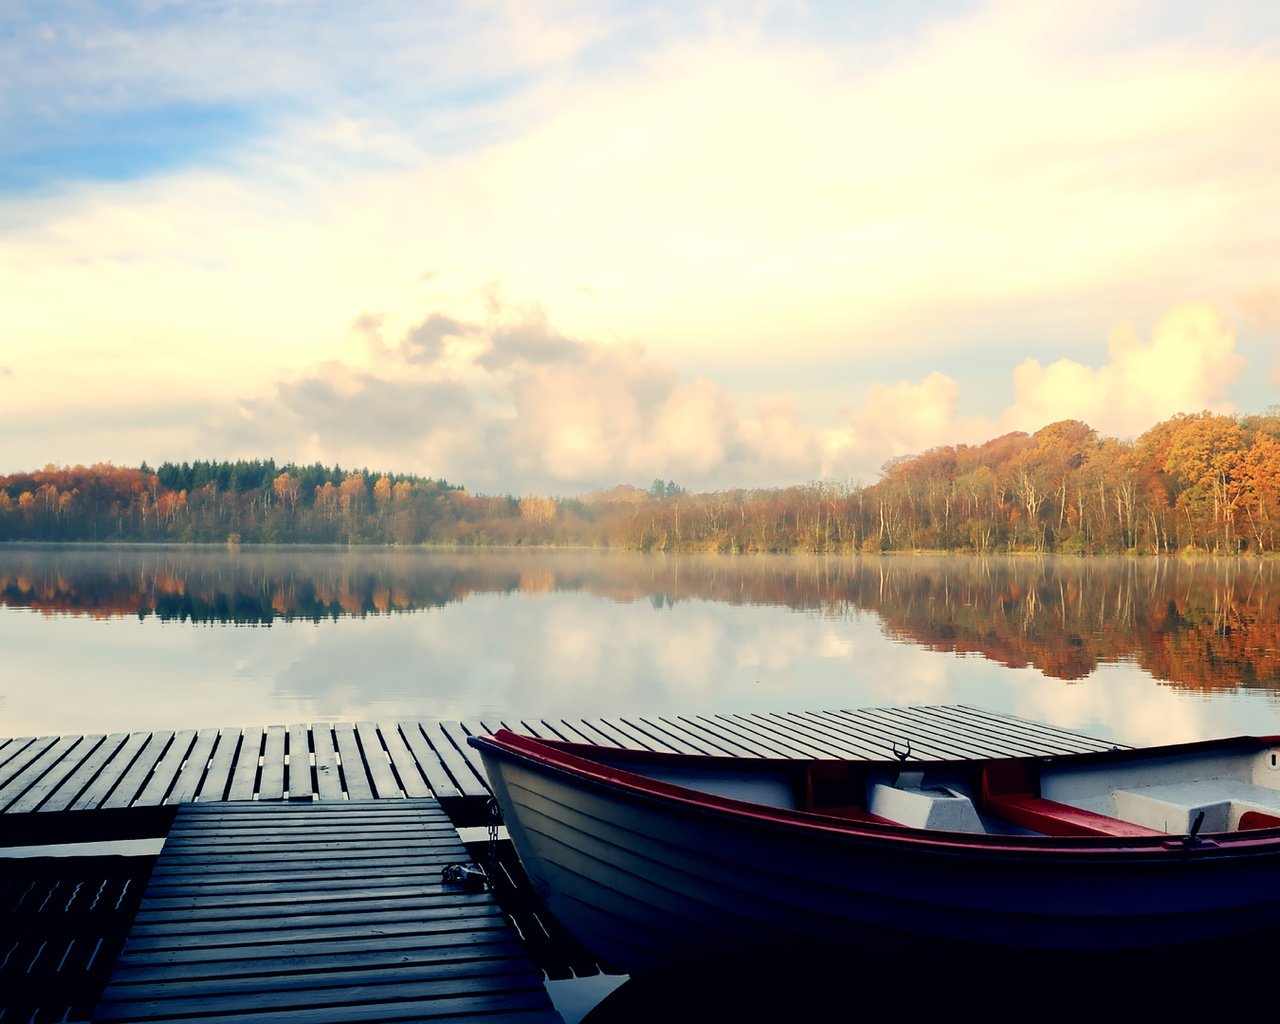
575	762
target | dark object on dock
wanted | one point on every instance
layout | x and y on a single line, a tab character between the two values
317	912
62	923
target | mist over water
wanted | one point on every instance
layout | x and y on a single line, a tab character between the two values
122	638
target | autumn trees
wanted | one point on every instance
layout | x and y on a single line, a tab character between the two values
1201	482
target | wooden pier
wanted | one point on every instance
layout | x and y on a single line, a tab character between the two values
418	759
311	912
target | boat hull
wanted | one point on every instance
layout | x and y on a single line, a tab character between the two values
648	882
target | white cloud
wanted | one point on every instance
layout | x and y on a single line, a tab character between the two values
515	405
1185	367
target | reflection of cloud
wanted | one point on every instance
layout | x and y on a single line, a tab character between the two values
1120	702
714	639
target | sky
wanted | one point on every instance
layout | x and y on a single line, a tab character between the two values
544	248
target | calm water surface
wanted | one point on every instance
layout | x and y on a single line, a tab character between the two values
115	639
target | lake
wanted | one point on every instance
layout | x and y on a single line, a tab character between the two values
139	638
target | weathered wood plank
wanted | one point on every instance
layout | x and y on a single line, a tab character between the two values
895	733
166	771
29	754
193	771
113	769
786	729
301	784
73	785
412	778
523	1006
375	758
753	730
357	989
667	738
488	928
178	889
596	732
217	779
131	784
328	775
713	742
631	737
461	947
1032	734
442	785
271	785
12	749
354	772
846	739
351	869
468	779
244	777
28	796
722	733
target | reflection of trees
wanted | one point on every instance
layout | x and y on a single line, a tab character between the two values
1207	624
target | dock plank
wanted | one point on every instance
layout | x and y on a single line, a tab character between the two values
217	780
329	953
112	770
133	780
354	772
29	789
73	785
328	775
244	776
468	777
377	761
271	784
193	770
25	757
301	784
442	784
165	775
412	778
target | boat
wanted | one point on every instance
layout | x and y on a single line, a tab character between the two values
656	861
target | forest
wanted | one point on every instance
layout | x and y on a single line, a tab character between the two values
1200	482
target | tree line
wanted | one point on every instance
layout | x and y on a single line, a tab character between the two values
1200	482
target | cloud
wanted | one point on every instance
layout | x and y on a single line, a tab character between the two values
1185	367
515	405
518	405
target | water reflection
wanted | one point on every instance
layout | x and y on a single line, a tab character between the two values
114	639
1205	625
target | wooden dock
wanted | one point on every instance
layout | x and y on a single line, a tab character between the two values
311	912
420	759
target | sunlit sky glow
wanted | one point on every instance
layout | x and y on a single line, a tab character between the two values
543	248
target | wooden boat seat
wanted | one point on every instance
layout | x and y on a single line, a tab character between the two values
1227	804
1009	793
1054	819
